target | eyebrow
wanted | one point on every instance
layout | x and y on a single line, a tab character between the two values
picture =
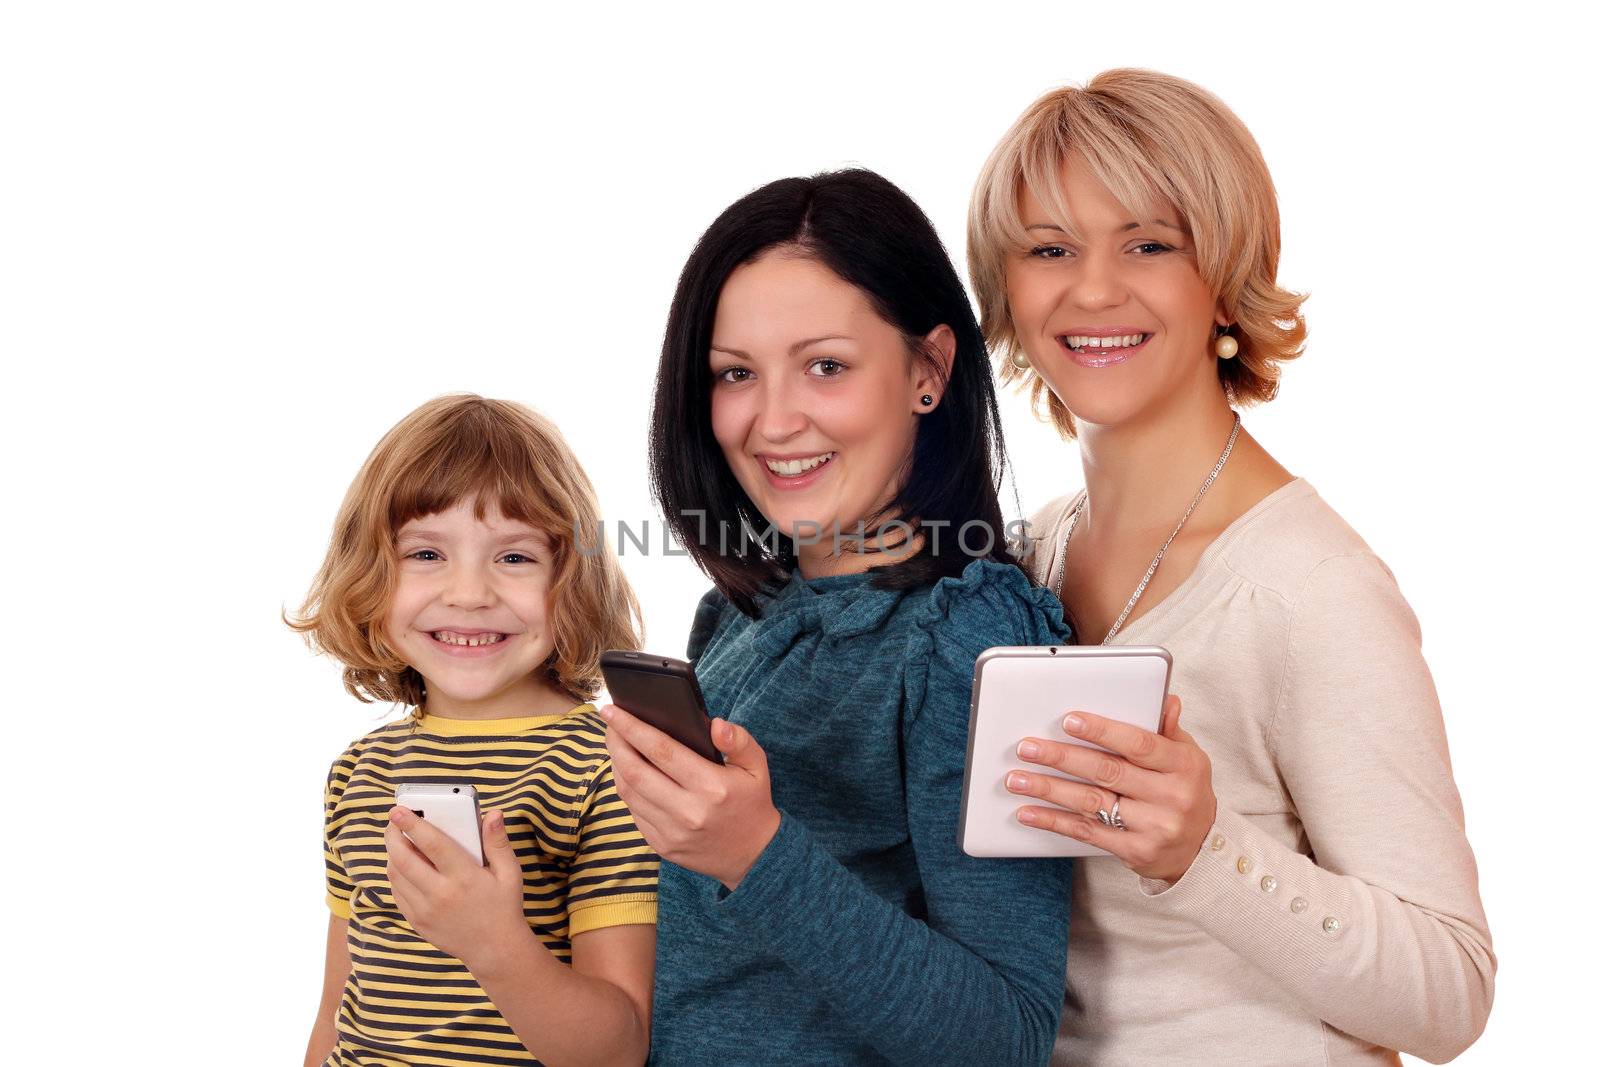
796	347
1124	229
536	536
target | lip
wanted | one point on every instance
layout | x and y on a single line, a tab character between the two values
468	651
1097	358
799	481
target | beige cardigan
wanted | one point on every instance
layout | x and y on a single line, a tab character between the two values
1333	914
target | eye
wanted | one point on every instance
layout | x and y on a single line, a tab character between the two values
427	555
1047	252
734	375
517	557
1151	248
826	368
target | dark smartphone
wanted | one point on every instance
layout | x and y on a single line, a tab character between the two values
664	693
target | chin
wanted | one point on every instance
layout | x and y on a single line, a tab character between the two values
783	517
1101	407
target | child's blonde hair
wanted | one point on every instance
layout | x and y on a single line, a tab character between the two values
1146	137
492	452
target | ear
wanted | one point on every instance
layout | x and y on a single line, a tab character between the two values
940	346
1221	316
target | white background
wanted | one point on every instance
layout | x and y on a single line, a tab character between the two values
238	242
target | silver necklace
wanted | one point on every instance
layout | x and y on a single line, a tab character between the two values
1072	524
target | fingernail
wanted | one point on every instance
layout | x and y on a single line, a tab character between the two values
1073	723
1017	782
1028	750
1026	815
399	815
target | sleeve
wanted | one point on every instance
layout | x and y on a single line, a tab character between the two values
339	886
981	980
707	619
612	880
1379	931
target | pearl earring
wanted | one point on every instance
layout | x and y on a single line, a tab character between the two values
1019	359
927	400
1226	347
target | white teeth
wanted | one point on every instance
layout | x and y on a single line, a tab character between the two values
447	637
789	468
1076	341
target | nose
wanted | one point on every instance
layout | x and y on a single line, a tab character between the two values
781	415
468	587
1098	284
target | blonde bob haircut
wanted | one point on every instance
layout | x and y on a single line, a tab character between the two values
491	452
1148	138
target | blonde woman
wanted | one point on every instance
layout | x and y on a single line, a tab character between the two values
1290	880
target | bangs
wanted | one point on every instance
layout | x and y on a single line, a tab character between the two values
478	457
1113	156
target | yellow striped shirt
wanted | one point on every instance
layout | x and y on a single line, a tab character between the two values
585	867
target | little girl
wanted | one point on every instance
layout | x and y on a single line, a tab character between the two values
453	584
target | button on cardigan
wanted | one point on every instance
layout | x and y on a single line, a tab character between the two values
862	934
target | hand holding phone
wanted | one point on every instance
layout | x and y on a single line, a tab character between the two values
450	806
466	908
663	692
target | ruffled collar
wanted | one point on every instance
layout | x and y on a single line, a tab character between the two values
839	606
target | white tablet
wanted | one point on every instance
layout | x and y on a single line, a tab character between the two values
1026	692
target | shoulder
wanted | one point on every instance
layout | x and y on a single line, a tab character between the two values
583	728
1338	597
1293	541
392	732
954	621
577	742
1049	518
345	764
989	603
1041	534
708	616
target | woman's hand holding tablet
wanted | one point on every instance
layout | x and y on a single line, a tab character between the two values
1159	782
1126	758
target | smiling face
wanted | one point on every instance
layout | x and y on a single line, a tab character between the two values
814	397
1117	320
469	614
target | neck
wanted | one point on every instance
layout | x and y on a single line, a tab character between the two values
535	698
1142	473
850	555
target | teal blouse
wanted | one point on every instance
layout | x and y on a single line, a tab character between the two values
863	934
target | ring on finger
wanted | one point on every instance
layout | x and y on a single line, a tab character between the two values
1105	816
1112	818
1116	822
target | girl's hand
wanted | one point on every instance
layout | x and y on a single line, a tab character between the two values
1162	780
710	819
463	909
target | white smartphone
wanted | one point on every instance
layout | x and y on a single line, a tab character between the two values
1026	692
452	807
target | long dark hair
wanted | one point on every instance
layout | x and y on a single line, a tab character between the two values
871	234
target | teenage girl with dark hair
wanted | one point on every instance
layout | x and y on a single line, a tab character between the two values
823	380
